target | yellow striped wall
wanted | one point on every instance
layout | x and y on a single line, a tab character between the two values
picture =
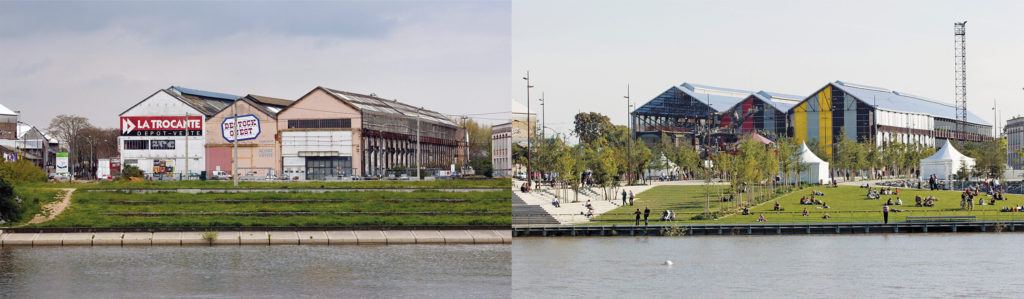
825	119
800	122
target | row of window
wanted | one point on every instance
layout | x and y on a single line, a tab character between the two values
149	144
330	123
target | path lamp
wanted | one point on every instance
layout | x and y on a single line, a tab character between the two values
529	148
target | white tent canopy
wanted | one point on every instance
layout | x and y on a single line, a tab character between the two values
945	163
814	169
670	168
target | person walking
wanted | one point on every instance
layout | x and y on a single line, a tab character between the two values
647	213
637	217
885	214
623	197
631	197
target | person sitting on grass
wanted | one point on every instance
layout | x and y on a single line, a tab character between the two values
1004	209
818	193
918	201
824	205
827	216
899	202
746	211
760	218
888	202
896	191
806	213
803	200
929	202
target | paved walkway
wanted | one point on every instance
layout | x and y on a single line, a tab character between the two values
572	213
359	237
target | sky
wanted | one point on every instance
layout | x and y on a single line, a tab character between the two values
96	59
582	54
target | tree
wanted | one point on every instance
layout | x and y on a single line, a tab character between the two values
787	155
589	126
68	129
989	156
10	209
479	138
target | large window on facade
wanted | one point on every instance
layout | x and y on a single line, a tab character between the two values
327	123
162	144
136	144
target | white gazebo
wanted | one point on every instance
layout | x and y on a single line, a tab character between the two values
945	163
814	169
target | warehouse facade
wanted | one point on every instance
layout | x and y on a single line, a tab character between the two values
164	134
326	134
873	114
259	153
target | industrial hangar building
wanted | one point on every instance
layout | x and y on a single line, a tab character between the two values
325	134
864	113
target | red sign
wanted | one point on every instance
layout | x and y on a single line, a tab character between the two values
161	126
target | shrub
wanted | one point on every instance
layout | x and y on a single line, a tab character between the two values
130	171
10	210
210	236
21	171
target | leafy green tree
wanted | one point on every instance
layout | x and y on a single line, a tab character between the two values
589	126
10	209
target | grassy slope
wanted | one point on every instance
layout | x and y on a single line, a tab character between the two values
848	204
87	208
33	200
685	201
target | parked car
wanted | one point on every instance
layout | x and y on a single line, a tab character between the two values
404	177
220	175
58	177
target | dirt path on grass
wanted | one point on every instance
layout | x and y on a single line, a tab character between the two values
53	209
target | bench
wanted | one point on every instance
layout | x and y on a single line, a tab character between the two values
939	218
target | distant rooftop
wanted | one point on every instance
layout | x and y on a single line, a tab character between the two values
891	100
374	103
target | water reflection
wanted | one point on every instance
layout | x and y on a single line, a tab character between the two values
257	271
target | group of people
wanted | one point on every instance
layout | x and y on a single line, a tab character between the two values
646	213
928	201
624	197
668	215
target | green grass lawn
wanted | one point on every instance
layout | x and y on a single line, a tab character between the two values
88	208
385	184
685	201
847	204
33	200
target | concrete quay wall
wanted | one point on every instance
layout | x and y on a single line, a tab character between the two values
264	238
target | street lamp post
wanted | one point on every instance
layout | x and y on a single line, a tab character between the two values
529	148
543	116
629	143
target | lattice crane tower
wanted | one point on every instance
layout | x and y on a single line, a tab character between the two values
960	49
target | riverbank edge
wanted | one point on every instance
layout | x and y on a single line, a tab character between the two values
740	229
265	238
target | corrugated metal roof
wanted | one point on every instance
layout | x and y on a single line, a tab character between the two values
903	102
206	102
373	103
782	102
203	93
721	99
269	101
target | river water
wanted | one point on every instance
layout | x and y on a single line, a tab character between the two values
480	271
846	266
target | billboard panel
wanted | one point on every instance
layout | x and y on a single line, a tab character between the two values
248	128
161	126
62	163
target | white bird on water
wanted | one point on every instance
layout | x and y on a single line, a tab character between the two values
668	263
